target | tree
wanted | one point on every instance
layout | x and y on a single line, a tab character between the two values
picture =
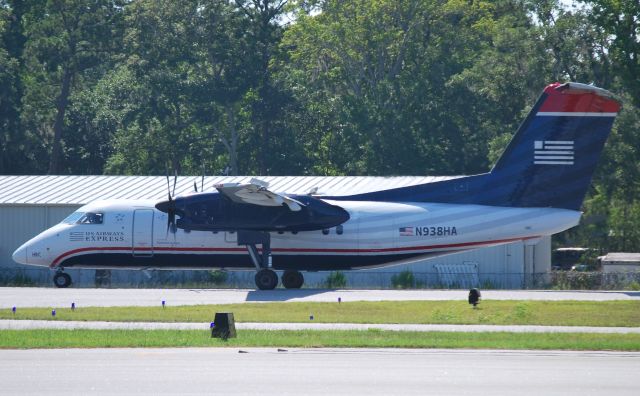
11	139
266	99
159	50
64	40
610	29
228	67
409	87
197	64
619	20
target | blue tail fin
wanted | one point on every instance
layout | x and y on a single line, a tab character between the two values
548	163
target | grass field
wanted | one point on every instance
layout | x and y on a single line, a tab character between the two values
309	339
565	313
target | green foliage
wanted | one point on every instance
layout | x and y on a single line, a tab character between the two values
68	43
218	277
620	22
19	279
635	285
83	338
558	313
487	285
335	280
579	280
521	311
403	280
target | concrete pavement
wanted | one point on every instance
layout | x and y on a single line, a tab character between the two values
371	372
52	297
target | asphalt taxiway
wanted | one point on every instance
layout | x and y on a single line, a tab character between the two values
317	372
52	297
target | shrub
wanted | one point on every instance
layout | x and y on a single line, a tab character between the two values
335	280
218	277
403	280
634	285
17	280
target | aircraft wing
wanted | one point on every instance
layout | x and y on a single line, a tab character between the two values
256	193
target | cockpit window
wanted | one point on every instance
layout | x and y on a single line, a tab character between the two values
73	218
91	218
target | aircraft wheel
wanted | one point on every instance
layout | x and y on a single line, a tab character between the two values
292	279
266	279
61	279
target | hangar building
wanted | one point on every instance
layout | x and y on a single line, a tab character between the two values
31	204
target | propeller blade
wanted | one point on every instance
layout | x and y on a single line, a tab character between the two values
175	180
171	217
203	172
171	205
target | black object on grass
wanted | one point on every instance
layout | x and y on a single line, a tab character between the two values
474	297
223	326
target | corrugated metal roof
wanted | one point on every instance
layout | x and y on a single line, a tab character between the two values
79	190
619	257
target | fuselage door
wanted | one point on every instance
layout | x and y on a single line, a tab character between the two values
231	237
142	232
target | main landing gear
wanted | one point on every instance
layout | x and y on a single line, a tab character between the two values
266	278
292	279
61	279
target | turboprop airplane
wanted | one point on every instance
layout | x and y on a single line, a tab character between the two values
536	188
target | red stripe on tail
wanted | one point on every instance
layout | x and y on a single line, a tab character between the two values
568	98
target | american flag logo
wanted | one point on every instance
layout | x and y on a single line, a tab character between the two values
406	231
76	236
553	152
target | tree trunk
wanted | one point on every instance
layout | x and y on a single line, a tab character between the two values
61	107
231	144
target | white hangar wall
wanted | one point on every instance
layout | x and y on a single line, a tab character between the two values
31	204
510	266
21	223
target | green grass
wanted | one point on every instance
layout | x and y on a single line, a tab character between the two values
565	313
23	339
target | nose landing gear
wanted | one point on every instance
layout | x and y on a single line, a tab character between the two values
61	279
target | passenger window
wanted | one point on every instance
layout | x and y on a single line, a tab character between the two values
91	218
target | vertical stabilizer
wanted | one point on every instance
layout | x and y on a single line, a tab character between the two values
551	159
548	163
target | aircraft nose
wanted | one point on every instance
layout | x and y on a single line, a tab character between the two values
20	255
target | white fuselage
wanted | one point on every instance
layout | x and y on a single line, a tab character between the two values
133	234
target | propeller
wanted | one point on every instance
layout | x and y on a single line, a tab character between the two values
171	207
203	172
195	184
